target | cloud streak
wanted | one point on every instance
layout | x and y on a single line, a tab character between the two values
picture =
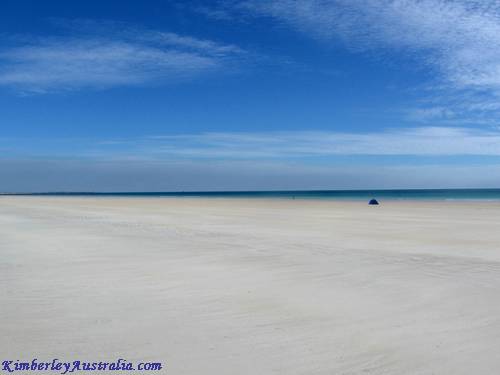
292	145
425	141
108	57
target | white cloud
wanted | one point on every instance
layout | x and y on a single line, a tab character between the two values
462	37
458	39
291	145
431	141
92	60
431	114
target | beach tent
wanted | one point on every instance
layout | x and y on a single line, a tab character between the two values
373	202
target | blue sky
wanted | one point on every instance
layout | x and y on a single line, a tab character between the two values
277	94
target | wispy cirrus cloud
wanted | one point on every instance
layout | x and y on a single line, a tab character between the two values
461	37
424	141
103	55
459	41
291	145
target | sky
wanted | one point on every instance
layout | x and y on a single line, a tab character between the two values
165	95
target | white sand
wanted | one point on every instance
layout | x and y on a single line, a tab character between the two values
254	287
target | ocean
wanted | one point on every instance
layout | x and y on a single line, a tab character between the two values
405	194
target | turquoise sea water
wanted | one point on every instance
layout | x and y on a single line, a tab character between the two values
417	194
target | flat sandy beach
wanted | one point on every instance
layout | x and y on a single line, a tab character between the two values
236	287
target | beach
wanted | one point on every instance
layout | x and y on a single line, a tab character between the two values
252	286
